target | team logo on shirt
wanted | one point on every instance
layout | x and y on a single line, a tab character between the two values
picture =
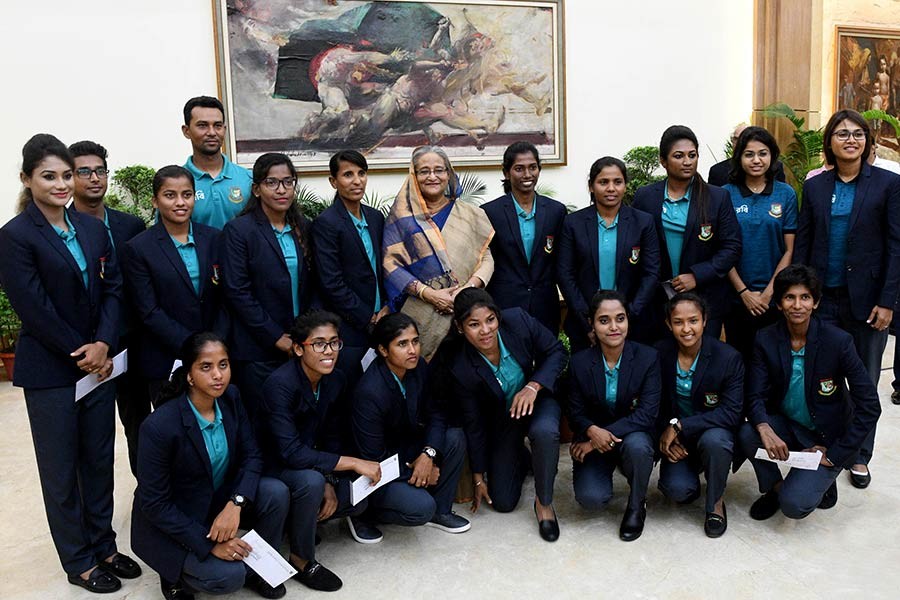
235	195
548	244
102	267
635	255
706	232
775	210
634	403
711	399
215	275
826	387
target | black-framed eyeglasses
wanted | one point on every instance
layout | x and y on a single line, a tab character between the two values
845	134
320	346
86	172
437	172
271	183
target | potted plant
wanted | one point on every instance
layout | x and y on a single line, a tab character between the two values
9	334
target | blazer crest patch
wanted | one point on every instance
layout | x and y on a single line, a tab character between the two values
548	244
215	275
826	387
635	255
711	399
706	232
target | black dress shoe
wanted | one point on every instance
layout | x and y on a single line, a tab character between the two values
316	577
174	591
548	528
261	587
895	396
99	582
861	480
122	566
765	506
715	525
829	498
633	523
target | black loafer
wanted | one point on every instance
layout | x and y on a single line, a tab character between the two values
548	528
316	577
861	480
829	498
633	523
895	396
715	525
261	587
99	582
122	566
174	591
765	506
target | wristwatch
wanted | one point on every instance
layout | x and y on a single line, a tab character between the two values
675	425
429	452
239	500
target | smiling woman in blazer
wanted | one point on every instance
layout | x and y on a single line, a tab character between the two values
199	481
699	235
526	234
267	275
849	232
174	278
504	372
606	246
613	405
798	401
702	382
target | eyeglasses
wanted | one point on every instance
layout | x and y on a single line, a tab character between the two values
270	183
844	134
437	172
319	347
86	172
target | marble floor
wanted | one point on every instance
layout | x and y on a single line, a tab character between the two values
850	551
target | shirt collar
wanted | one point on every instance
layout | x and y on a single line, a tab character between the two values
689	372
747	192
225	173
687	194
520	212
204	424
615	369
601	222
106	218
190	238
66	235
287	229
360	223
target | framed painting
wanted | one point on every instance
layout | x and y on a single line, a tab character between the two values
867	74
309	77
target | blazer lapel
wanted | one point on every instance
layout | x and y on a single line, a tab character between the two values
697	386
193	433
689	227
540	218
351	227
52	237
484	372
230	425
593	238
164	240
622	237
202	244
862	188
512	220
598	379
809	359
265	229
828	182
623	402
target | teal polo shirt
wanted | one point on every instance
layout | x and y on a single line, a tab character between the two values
674	222
362	228
509	373
70	239
841	207
215	441
289	251
526	226
794	405
220	199
188	253
684	381
612	383
400	384
606	252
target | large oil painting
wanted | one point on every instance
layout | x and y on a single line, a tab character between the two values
308	77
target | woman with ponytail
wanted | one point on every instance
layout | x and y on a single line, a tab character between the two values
198	458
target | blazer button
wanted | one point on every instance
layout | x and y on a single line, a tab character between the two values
849	268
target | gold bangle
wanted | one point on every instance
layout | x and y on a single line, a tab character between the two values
421	293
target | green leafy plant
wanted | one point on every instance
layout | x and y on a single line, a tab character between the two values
804	153
642	163
10	324
379	202
311	203
880	115
132	191
473	188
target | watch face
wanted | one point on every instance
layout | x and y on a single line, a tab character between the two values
238	499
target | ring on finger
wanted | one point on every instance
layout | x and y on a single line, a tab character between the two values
234	555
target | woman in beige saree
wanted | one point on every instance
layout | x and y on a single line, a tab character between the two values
434	246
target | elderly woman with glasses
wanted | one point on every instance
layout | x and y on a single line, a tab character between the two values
849	232
267	275
434	246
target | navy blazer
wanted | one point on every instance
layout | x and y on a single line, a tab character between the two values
637	264
346	279
258	286
44	285
162	295
516	282
637	394
873	242
385	422
175	502
296	430
481	401
708	258
843	420
717	390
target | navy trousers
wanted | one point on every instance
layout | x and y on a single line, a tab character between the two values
802	490
266	514
400	503
710	453
507	455
73	444
870	344
593	478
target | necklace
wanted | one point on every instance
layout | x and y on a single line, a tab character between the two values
755	190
